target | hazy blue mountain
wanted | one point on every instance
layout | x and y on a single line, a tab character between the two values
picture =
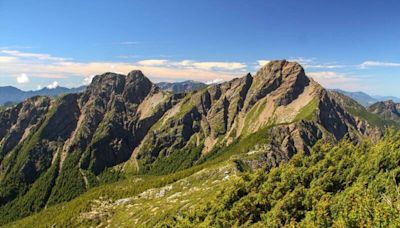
361	97
387	98
366	99
181	87
10	94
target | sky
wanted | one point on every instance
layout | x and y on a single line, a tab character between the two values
351	45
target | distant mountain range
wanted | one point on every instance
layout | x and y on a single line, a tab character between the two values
10	94
365	99
181	87
126	130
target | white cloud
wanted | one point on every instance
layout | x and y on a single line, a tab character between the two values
20	54
219	65
128	42
87	80
311	63
190	64
153	62
23	78
215	81
52	85
39	87
368	64
262	62
330	79
6	59
160	69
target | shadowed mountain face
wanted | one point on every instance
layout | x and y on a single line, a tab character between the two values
52	150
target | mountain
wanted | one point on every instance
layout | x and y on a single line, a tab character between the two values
361	97
13	95
181	87
386	98
53	150
360	112
388	110
365	99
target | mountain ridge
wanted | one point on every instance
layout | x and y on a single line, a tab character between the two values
128	125
10	94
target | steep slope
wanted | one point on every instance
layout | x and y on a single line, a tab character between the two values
53	150
387	110
280	102
342	185
359	112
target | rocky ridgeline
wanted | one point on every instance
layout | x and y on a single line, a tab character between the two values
386	109
130	124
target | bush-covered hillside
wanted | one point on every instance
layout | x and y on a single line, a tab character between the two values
341	186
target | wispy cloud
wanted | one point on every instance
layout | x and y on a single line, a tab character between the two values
87	80
20	54
128	43
6	59
190	64
312	63
48	66
153	62
262	62
331	79
215	81
307	63
368	64
53	85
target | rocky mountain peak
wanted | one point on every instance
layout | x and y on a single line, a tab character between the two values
127	122
387	109
286	79
133	87
279	68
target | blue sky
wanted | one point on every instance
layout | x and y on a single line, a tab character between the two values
353	45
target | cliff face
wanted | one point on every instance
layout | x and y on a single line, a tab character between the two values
55	149
280	99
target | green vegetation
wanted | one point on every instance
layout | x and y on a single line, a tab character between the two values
308	112
372	118
253	114
70	182
178	160
341	186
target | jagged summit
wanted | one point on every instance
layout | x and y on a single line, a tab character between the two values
278	68
126	123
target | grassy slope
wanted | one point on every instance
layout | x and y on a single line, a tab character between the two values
69	215
339	186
